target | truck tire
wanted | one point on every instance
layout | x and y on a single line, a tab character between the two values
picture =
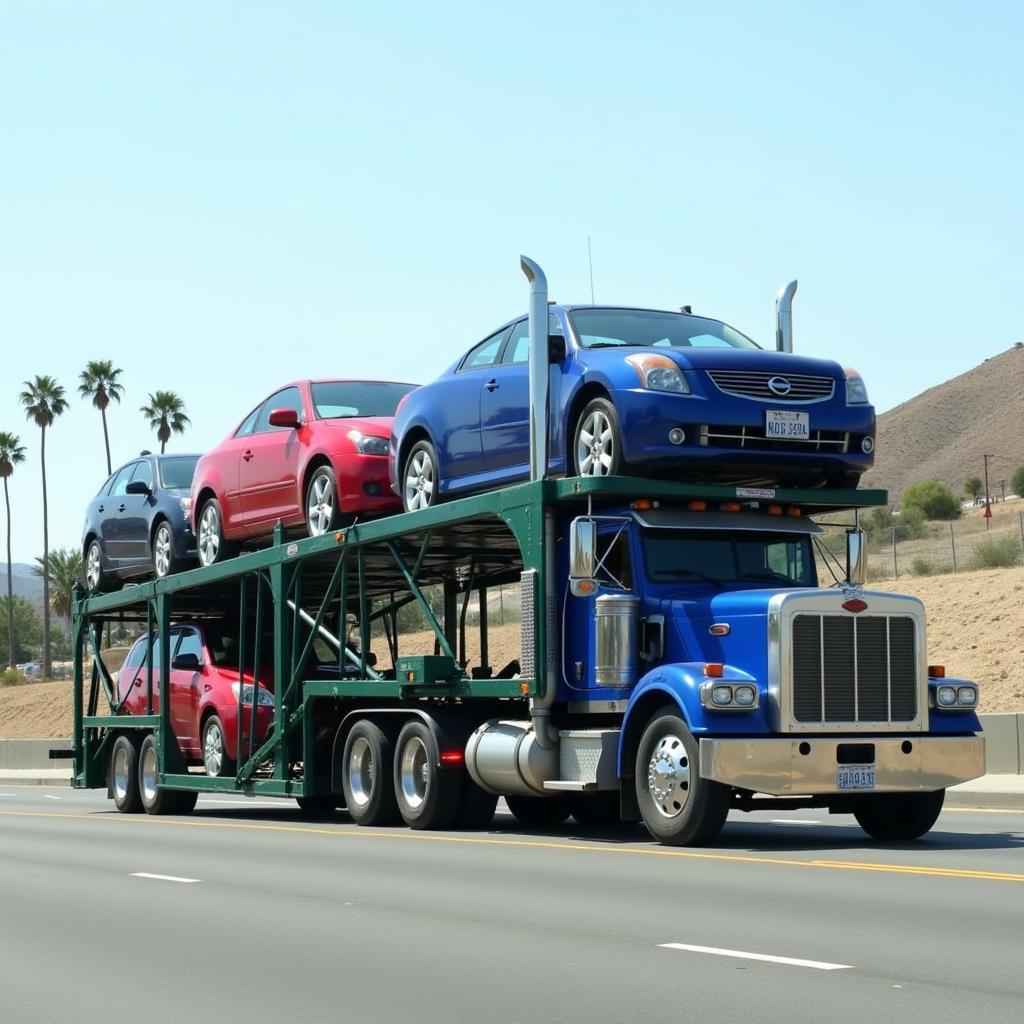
323	804
678	807
898	816
155	799
596	808
428	796
539	810
366	767
477	809
124	775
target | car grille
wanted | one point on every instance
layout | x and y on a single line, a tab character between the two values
854	669
717	436
754	384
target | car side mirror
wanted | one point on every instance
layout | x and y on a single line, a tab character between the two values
556	349
582	556
137	487
284	418
186	663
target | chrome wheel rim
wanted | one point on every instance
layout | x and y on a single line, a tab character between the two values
320	505
213	749
147	774
419	481
209	535
595	445
162	550
668	776
362	772
120	774
92	566
414	773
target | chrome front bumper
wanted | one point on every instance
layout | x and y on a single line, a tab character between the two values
778	768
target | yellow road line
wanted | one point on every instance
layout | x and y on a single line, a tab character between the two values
408	835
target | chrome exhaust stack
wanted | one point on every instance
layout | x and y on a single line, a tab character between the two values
784	317
539	368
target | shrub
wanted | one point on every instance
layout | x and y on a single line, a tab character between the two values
997	553
13	677
921	567
1017	482
933	499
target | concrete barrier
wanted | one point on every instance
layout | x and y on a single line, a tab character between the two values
31	753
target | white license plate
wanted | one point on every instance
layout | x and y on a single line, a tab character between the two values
855	776
785	425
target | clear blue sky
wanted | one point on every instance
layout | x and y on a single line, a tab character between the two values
224	197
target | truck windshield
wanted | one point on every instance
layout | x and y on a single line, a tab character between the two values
613	328
721	557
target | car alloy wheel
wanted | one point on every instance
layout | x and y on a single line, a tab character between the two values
213	749
419	480
595	444
162	553
208	541
93	566
320	504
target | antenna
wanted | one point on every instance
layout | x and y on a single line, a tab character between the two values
590	260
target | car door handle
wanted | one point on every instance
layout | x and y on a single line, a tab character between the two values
120	508
247	454
100	509
492	385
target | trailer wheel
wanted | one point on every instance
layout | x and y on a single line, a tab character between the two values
596	444
898	816
679	808
318	804
124	775
596	808
477	810
427	795
539	810
366	775
155	799
185	802
216	762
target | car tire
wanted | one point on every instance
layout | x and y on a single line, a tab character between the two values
165	562
897	817
211	544
420	479
678	807
597	440
155	799
95	578
216	762
539	810
323	514
366	768
124	775
427	795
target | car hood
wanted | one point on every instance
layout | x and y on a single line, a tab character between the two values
729	359
375	426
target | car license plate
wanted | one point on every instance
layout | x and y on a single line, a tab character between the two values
786	425
855	776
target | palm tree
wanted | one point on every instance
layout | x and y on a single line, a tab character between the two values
12	451
43	399
98	381
166	415
63	571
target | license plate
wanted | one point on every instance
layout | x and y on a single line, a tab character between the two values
855	776
786	425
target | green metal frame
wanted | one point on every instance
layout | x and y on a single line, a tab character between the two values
389	561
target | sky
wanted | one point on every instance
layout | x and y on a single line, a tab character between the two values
221	198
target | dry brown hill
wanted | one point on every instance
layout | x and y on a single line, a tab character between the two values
943	433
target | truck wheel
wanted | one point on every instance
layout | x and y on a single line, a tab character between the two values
427	796
124	775
898	816
596	444
318	804
366	775
596	808
155	799
679	808
186	802
539	810
216	762
477	810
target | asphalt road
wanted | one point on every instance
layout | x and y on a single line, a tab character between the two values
258	913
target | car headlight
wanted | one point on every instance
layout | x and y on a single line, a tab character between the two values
265	698
185	504
856	389
368	444
659	373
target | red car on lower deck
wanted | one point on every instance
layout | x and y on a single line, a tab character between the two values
313	455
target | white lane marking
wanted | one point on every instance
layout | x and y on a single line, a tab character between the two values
818	965
50	796
164	878
793	821
6	794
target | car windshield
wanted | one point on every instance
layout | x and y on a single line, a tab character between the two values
339	399
222	643
720	557
612	328
176	473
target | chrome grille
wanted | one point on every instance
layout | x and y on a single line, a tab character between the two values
716	436
803	387
857	669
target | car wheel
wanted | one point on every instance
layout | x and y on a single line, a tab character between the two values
679	808
210	541
124	775
95	581
420	477
164	561
596	446
216	762
322	512
428	797
366	775
155	798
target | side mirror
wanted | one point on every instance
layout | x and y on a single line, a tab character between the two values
137	487
186	663
556	349
284	418
856	558
582	556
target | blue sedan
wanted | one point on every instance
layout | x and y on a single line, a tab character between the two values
138	524
634	391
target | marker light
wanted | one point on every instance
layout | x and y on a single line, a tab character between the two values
731	506
714	670
937	671
641	504
793	511
452	757
774	510
698	506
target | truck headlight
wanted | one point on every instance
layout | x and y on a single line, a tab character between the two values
728	696
744	696
967	696
659	373
721	695
945	696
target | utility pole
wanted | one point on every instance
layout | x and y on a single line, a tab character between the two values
1002	488
988	502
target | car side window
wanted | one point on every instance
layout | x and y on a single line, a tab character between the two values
249	422
486	353
288	398
144	473
121	480
137	654
518	348
190	643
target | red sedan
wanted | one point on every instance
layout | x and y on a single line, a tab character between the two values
204	685
312	455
